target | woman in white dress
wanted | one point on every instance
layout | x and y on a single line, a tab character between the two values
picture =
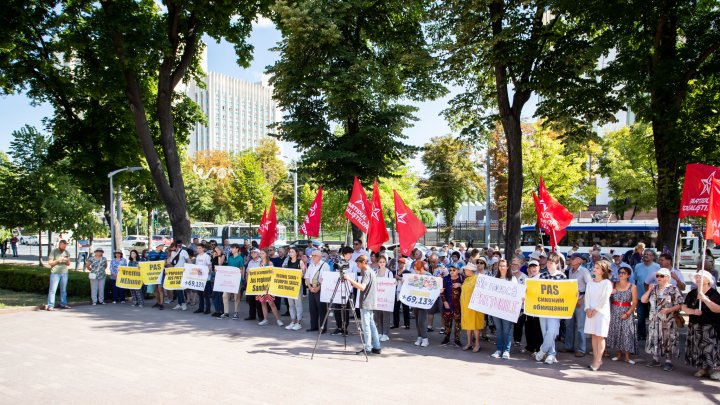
597	310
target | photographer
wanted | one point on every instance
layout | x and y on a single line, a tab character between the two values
367	289
343	266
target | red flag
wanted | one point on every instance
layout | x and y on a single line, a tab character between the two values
358	207
261	227
696	189
270	227
557	211
377	232
409	227
712	227
311	224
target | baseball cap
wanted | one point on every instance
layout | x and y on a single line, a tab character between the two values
663	272
533	263
256	250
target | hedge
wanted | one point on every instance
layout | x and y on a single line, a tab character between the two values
36	279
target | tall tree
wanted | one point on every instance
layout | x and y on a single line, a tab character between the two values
665	58
503	52
349	64
452	177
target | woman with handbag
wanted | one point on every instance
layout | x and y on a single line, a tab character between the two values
97	266
665	300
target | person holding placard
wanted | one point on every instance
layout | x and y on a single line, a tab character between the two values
450	297
157	255
470	321
504	327
203	259
235	259
400	269
137	295
254	310
550	326
517	272
421	315
383	318
118	293
368	289
296	305
597	310
266	300
533	332
218	259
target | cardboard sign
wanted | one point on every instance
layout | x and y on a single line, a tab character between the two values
328	280
129	278
420	291
385	294
151	272
195	277
258	280
286	283
497	297
173	278
227	279
551	298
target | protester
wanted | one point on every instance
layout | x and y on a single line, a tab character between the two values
254	309
550	326
623	301
383	319
368	290
702	347
437	270
399	306
118	293
533	331
312	278
59	260
575	339
709	264
420	313
665	299
266	300
597	310
157	255
521	277
296	305
665	260
234	259
97	265
137	295
452	313
346	263
179	258
504	327
471	321
204	296
218	259
639	275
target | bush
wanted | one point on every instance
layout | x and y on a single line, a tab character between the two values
36	279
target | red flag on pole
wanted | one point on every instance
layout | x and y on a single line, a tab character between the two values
712	227
557	211
311	224
409	227
270	231
696	189
377	232
358	207
261	227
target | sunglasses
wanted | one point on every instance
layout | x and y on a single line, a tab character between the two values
659	276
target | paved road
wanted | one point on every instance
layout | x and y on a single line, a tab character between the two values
116	354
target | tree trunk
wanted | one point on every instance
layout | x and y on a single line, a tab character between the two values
513	136
40	263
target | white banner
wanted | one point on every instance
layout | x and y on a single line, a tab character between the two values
420	291
497	297
227	279
194	277
328	280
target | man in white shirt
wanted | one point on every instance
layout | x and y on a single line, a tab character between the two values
574	327
203	259
312	281
178	258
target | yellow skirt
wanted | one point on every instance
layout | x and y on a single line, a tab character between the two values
469	319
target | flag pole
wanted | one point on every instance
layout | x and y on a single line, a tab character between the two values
677	239
702	266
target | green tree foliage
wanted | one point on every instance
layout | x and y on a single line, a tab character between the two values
565	175
502	53
452	177
350	64
628	162
277	177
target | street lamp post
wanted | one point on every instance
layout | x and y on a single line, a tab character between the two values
112	203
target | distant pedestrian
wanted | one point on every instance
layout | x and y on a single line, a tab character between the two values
13	245
83	253
59	260
97	265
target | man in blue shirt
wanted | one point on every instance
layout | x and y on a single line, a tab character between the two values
639	275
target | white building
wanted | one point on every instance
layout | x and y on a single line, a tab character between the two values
238	113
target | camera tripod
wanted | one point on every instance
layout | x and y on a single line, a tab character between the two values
345	305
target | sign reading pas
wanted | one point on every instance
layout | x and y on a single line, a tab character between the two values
151	272
551	298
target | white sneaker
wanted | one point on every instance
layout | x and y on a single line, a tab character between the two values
539	356
550	359
425	343
184	307
290	326
178	306
418	341
263	322
496	355
297	326
506	355
384	338
280	323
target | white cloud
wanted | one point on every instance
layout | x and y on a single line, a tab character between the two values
262	22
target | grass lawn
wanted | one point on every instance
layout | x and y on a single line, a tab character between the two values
9	298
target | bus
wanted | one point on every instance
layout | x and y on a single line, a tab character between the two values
611	236
234	232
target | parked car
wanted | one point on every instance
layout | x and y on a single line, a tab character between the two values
30	240
137	242
302	243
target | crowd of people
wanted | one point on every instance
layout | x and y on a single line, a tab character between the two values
626	303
